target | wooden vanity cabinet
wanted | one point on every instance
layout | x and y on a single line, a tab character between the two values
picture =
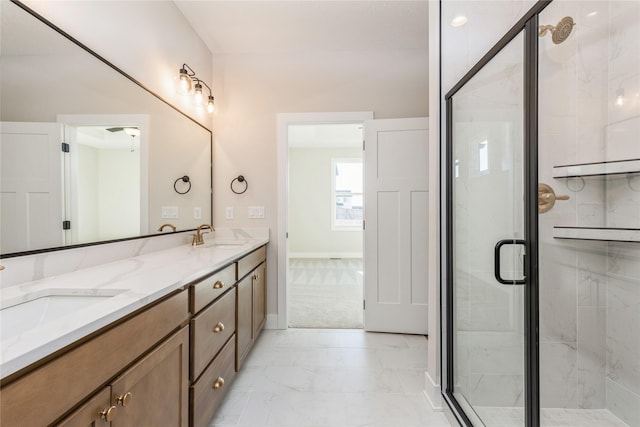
251	305
41	396
259	298
153	392
170	364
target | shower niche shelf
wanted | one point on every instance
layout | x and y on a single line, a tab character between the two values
617	167
604	234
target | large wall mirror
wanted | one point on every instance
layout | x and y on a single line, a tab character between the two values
86	154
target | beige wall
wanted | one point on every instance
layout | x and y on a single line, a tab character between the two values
255	88
310	232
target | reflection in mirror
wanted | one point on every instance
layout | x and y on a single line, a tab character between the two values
86	154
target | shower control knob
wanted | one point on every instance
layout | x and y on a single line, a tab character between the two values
547	198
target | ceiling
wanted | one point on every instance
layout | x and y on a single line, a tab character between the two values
271	27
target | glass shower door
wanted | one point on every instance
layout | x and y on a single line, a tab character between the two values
486	271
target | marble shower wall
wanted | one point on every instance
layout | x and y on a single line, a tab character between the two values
590	291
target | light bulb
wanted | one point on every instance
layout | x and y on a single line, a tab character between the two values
210	106
133	132
198	93
620	97
459	21
184	82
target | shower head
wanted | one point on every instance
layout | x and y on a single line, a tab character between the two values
560	32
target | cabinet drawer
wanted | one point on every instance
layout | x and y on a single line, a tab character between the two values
251	261
207	393
205	291
210	330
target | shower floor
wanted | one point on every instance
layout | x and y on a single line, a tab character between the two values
550	417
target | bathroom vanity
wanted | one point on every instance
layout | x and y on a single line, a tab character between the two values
167	358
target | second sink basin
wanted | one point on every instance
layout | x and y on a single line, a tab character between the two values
20	316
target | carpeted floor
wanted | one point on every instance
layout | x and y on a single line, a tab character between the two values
325	293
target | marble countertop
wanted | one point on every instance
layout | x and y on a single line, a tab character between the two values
113	290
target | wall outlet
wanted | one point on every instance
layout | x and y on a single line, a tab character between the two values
170	212
197	213
255	212
229	212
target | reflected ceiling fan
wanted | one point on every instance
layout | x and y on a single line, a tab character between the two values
132	131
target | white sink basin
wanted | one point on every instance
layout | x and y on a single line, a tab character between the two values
43	307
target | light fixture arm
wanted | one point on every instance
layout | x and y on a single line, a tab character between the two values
189	71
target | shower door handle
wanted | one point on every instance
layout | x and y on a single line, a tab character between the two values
496	262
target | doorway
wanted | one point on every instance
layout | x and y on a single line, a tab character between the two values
320	266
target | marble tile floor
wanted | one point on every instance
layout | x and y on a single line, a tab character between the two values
325	293
331	378
550	417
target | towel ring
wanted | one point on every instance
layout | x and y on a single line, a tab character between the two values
240	179
183	179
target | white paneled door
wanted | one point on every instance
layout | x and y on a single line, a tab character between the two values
31	186
396	160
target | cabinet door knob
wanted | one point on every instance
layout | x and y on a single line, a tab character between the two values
219	327
108	414
218	285
219	383
125	399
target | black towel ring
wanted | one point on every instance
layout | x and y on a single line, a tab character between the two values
240	179
183	179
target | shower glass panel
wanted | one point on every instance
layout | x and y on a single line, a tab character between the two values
487	208
589	258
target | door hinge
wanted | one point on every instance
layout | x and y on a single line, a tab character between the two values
286	235
364	304
363	145
363	224
66	225
65	147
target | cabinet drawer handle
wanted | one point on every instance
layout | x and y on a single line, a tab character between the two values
219	327
125	399
219	383
108	414
218	285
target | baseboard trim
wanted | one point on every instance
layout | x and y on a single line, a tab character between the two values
324	255
432	392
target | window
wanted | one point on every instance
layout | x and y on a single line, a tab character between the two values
346	194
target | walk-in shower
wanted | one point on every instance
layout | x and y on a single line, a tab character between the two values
542	295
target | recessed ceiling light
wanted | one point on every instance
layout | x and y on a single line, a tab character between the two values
459	21
594	13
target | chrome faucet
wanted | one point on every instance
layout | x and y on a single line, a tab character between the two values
197	238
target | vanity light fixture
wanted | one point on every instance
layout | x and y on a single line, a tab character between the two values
185	81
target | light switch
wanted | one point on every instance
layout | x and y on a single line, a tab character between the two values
255	212
170	212
229	212
197	213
